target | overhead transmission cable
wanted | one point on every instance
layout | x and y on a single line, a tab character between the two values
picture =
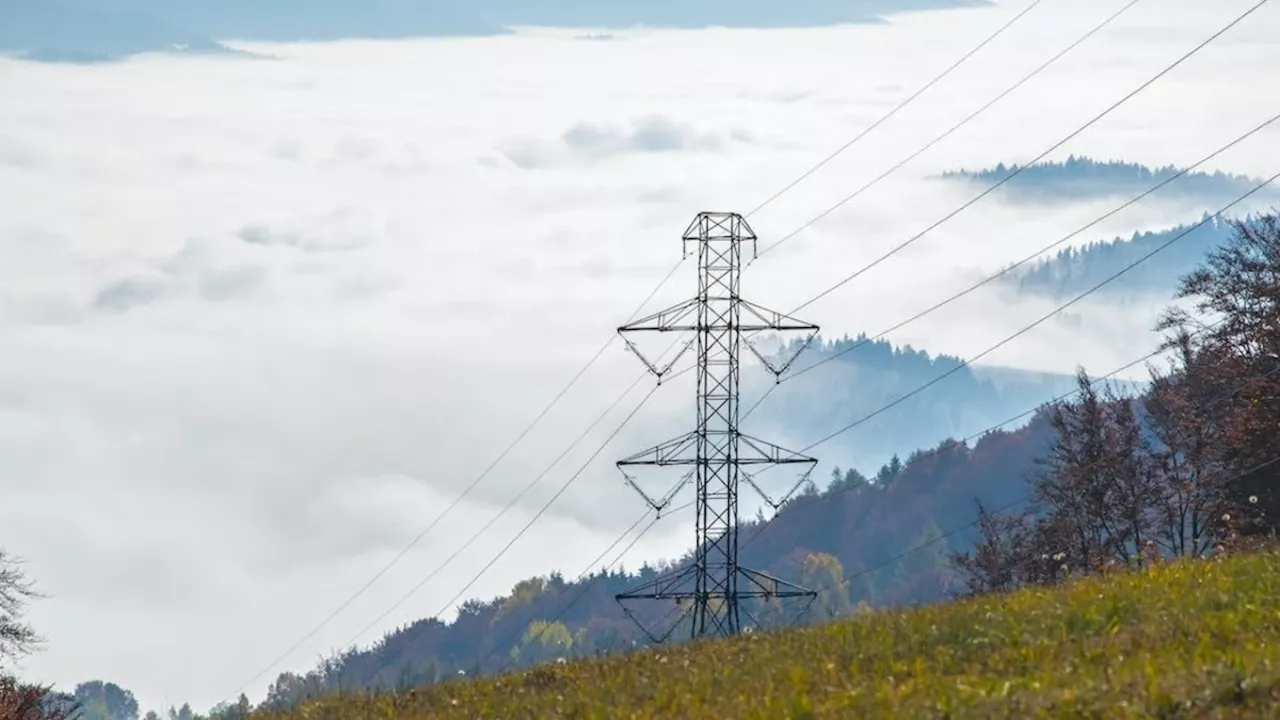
590	363
965	363
511	504
584	587
1016	171
999	184
600	352
1006	179
944	447
1010	268
511	543
460	497
898	108
1093	381
963	122
1003	508
1028	328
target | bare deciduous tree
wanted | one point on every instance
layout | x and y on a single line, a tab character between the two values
17	638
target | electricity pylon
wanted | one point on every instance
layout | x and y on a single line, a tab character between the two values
711	587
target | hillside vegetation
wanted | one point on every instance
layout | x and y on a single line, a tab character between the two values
1084	178
1074	270
1183	639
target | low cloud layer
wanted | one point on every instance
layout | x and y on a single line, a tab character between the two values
261	321
588	143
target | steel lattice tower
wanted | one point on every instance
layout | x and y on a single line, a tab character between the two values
711	587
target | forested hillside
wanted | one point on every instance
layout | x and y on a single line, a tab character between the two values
1083	178
852	530
1096	647
853	377
1074	270
1187	468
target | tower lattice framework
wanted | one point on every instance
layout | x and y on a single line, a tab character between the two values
710	589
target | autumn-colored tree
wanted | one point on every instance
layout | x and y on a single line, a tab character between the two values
20	701
824	574
1184	409
543	641
1239	284
997	563
1097	492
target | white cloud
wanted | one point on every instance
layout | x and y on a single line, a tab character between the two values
588	143
260	321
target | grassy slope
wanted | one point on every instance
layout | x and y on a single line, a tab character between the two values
1192	639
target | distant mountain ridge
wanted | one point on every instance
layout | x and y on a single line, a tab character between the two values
1075	270
100	30
859	377
1083	178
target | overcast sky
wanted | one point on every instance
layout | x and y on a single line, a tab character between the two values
261	320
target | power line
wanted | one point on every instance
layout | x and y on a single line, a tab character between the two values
582	436
967	119
910	99
457	500
1026	329
586	587
1124	99
493	520
1008	506
945	447
1017	171
599	353
589	364
586	571
541	511
1004	271
966	363
949	445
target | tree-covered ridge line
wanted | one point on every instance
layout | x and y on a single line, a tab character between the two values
1082	178
853	377
1072	271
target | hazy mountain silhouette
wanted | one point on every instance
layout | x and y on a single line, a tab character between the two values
97	30
1083	178
854	382
1074	270
72	31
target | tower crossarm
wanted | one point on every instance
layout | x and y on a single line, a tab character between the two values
754	451
677	451
766	320
677	318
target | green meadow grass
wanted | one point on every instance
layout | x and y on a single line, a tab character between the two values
1194	639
